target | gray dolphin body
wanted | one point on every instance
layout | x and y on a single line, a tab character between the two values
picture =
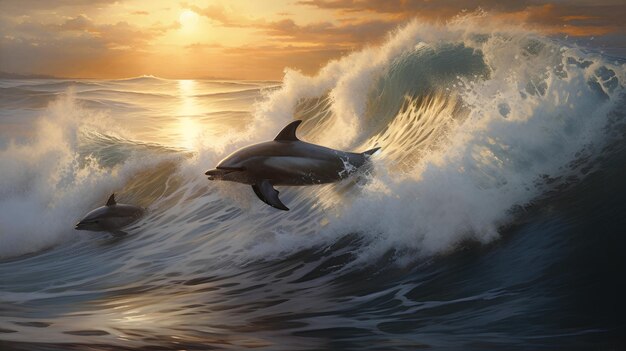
110	217
286	161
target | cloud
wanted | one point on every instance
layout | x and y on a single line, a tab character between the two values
22	7
71	38
287	30
80	23
203	46
306	46
578	17
328	33
73	45
222	15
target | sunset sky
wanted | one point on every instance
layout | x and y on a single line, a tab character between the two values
245	39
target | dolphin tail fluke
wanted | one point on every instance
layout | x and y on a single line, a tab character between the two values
371	151
266	192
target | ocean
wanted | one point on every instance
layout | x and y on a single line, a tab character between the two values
492	218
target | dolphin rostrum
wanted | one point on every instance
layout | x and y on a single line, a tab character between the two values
110	217
286	160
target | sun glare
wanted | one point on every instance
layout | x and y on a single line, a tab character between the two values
188	19
188	127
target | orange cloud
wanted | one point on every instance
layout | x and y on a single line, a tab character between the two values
117	39
579	18
221	15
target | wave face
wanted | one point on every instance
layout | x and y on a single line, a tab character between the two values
492	217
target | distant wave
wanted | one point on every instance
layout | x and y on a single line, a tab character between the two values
140	79
126	93
55	85
238	94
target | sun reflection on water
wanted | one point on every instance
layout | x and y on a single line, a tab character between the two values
188	128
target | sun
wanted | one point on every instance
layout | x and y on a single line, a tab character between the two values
188	19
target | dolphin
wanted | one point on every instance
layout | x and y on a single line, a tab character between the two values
110	217
286	160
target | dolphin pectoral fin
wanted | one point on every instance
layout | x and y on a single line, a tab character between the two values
118	233
258	193
266	192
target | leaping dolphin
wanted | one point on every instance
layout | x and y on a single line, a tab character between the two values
286	160
110	217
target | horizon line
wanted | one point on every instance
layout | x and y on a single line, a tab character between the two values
12	75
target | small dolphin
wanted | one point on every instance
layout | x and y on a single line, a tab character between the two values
286	161
110	217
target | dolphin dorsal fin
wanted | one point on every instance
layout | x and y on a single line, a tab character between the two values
289	132
111	200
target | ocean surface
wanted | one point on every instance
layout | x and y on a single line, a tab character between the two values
493	216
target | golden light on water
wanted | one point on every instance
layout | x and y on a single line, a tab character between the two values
188	112
187	92
190	132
